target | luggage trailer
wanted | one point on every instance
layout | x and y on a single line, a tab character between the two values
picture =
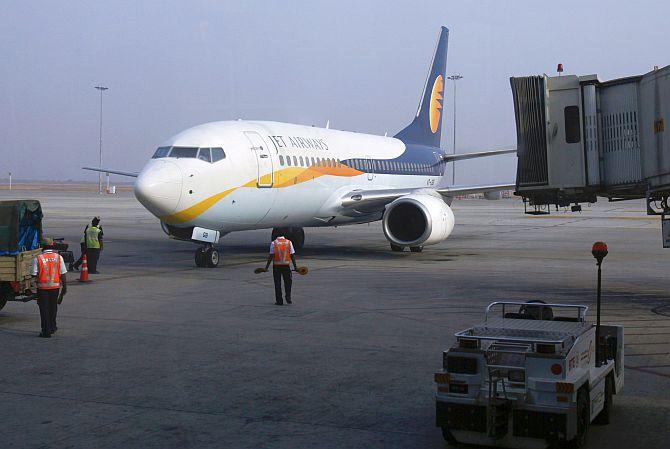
527	378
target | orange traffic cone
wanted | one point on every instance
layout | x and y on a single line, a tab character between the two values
84	270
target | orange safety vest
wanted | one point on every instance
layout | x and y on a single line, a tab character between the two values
282	254
48	271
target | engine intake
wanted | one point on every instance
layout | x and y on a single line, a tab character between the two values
418	219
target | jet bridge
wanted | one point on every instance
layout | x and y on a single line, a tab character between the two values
579	138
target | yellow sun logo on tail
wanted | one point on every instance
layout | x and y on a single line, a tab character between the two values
436	103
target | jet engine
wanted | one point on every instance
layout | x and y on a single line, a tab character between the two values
417	219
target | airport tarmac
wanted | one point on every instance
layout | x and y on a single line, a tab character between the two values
155	353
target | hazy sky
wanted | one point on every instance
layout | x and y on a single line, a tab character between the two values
360	64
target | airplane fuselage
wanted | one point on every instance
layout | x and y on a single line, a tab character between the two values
275	175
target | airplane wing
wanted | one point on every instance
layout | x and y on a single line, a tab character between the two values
116	172
368	201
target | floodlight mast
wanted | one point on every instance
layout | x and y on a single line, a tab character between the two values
101	89
454	78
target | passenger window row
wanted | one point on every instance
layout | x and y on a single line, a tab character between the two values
364	165
395	166
300	161
204	154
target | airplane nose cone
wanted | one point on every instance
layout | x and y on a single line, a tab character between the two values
158	187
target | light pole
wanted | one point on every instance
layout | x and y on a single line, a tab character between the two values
454	78
101	89
599	251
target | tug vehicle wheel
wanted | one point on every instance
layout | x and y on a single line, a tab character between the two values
449	437
604	415
583	421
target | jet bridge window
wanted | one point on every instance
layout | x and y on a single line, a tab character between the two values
572	131
161	152
218	154
184	152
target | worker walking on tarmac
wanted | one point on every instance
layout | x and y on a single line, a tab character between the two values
282	255
94	245
49	269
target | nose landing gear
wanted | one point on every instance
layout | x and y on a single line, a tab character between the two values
207	256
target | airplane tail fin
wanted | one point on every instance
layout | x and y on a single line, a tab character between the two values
426	128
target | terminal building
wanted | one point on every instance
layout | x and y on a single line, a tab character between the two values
579	138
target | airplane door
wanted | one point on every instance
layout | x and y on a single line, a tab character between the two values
369	168
265	173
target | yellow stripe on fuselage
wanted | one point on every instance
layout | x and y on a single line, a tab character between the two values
283	178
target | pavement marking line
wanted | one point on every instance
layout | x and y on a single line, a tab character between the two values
650	353
205	413
629	334
647	371
649	366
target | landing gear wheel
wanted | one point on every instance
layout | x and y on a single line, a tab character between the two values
604	415
298	238
212	257
448	437
200	260
295	235
416	249
396	248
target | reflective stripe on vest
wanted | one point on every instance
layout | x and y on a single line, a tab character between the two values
282	255
92	234
48	271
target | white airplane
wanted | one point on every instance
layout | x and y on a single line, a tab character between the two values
228	176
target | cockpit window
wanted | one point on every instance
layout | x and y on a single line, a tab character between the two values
184	152
218	154
161	152
203	155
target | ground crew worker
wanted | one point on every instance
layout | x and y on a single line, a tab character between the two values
94	245
282	254
49	269
82	247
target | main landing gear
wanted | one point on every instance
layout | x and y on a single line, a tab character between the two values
294	234
207	256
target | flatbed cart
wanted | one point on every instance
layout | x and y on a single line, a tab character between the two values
20	243
530	375
16	283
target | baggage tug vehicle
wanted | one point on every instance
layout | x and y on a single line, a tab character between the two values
530	375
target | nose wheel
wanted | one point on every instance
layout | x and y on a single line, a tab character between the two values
207	256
